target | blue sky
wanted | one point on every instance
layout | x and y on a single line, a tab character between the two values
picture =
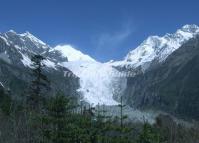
104	29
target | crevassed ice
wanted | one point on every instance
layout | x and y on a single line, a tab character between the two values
98	82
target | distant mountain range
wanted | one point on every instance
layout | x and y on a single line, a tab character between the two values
165	71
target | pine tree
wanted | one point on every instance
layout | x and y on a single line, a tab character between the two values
35	100
57	121
103	124
122	116
39	83
124	131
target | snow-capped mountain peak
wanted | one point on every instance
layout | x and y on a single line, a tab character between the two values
11	31
19	48
190	28
32	37
71	53
159	48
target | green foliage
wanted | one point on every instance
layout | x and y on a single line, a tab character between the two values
148	135
39	83
57	119
35	100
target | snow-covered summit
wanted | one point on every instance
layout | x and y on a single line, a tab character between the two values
71	53
23	40
24	35
32	38
190	28
158	48
19	48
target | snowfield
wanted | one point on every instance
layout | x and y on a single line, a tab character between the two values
71	53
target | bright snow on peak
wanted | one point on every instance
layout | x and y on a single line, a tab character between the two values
32	38
190	28
72	54
98	84
9	35
11	31
159	48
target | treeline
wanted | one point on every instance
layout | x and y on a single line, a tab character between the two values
38	118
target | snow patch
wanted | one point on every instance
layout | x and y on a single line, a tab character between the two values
7	43
1	84
49	64
26	60
17	47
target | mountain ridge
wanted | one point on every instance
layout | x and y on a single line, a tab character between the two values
97	82
156	48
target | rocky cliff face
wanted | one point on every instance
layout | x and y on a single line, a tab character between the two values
171	86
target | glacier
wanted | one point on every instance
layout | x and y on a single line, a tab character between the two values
99	82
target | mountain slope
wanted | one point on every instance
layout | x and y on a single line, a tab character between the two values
16	51
156	49
71	53
171	86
